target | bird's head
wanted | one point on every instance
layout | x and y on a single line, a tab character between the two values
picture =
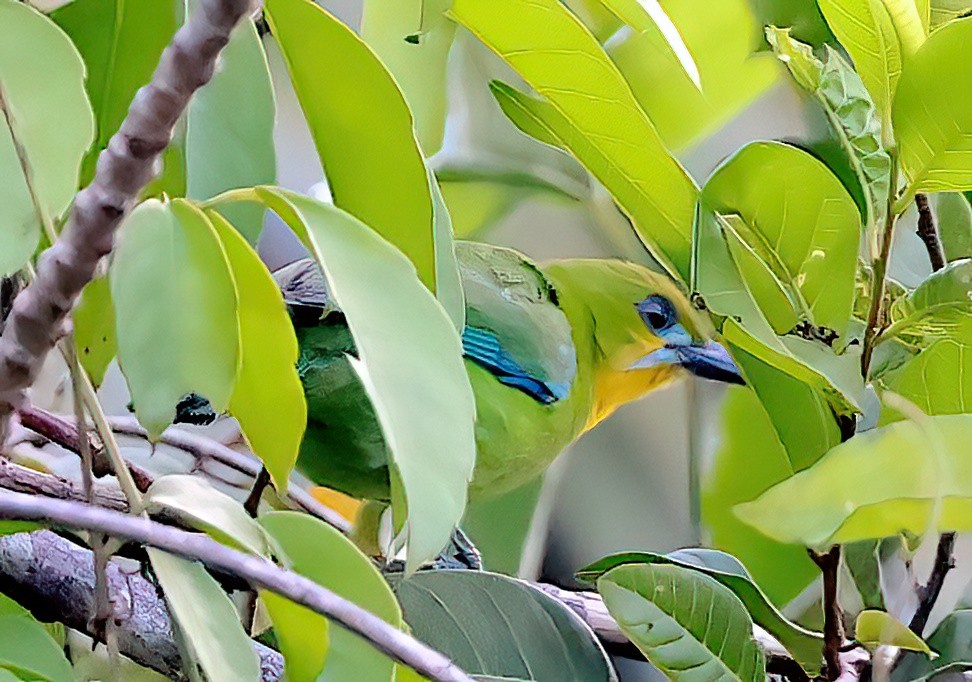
644	330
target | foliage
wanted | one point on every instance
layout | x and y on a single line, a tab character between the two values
786	257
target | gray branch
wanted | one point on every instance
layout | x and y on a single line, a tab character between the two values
258	571
37	319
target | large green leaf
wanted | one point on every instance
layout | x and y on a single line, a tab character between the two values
121	42
867	32
954	224
848	106
397	326
229	129
919	478
176	311
268	399
208	624
721	37
412	38
943	11
361	126
589	107
933	114
192	501
750	460
27	649
319	552
805	646
44	131
798	220
93	321
498	627
687	624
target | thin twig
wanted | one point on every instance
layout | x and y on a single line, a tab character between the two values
829	563
928	593
21	479
57	430
928	233
252	502
256	570
39	313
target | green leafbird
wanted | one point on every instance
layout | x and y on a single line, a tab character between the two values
551	351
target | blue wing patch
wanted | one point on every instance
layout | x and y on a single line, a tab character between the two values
483	348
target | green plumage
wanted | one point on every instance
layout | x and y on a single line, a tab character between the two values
567	325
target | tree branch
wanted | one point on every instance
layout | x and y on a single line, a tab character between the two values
257	571
39	313
55	580
829	563
928	594
928	233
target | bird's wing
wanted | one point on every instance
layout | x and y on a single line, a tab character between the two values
514	326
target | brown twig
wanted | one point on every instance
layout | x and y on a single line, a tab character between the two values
928	593
252	502
875	315
928	233
256	570
829	563
37	319
21	479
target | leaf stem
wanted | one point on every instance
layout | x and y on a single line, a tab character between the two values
829	563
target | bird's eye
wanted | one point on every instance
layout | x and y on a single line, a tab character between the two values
657	312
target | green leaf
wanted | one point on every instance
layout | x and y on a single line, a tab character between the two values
954	224
750	460
943	11
398	326
590	109
865	29
44	131
361	126
321	553
684	622
908	24
499	627
725	293
208	624
192	501
799	220
933	114
651	16
850	111
121	42
303	636
806	646
176	311
448	280
268	399
732	76
93	321
863	560
229	129
924	484
27	649
419	67
879	627
951	284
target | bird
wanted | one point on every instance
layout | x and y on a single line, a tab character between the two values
551	351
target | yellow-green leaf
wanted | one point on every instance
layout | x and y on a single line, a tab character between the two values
176	311
878	627
933	114
44	131
590	108
94	329
319	552
267	399
919	479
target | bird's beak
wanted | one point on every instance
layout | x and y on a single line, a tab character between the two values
708	360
